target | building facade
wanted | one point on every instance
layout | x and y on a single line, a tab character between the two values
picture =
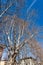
28	61
1	51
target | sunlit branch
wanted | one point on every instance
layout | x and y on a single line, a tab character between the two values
21	31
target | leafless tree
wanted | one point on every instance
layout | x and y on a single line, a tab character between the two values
24	34
21	35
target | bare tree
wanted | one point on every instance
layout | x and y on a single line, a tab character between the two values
23	38
21	34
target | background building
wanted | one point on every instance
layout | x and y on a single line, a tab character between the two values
1	51
28	61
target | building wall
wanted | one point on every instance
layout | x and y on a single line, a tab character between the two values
1	49
28	62
3	62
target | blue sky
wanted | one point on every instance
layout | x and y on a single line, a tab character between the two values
38	6
39	22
